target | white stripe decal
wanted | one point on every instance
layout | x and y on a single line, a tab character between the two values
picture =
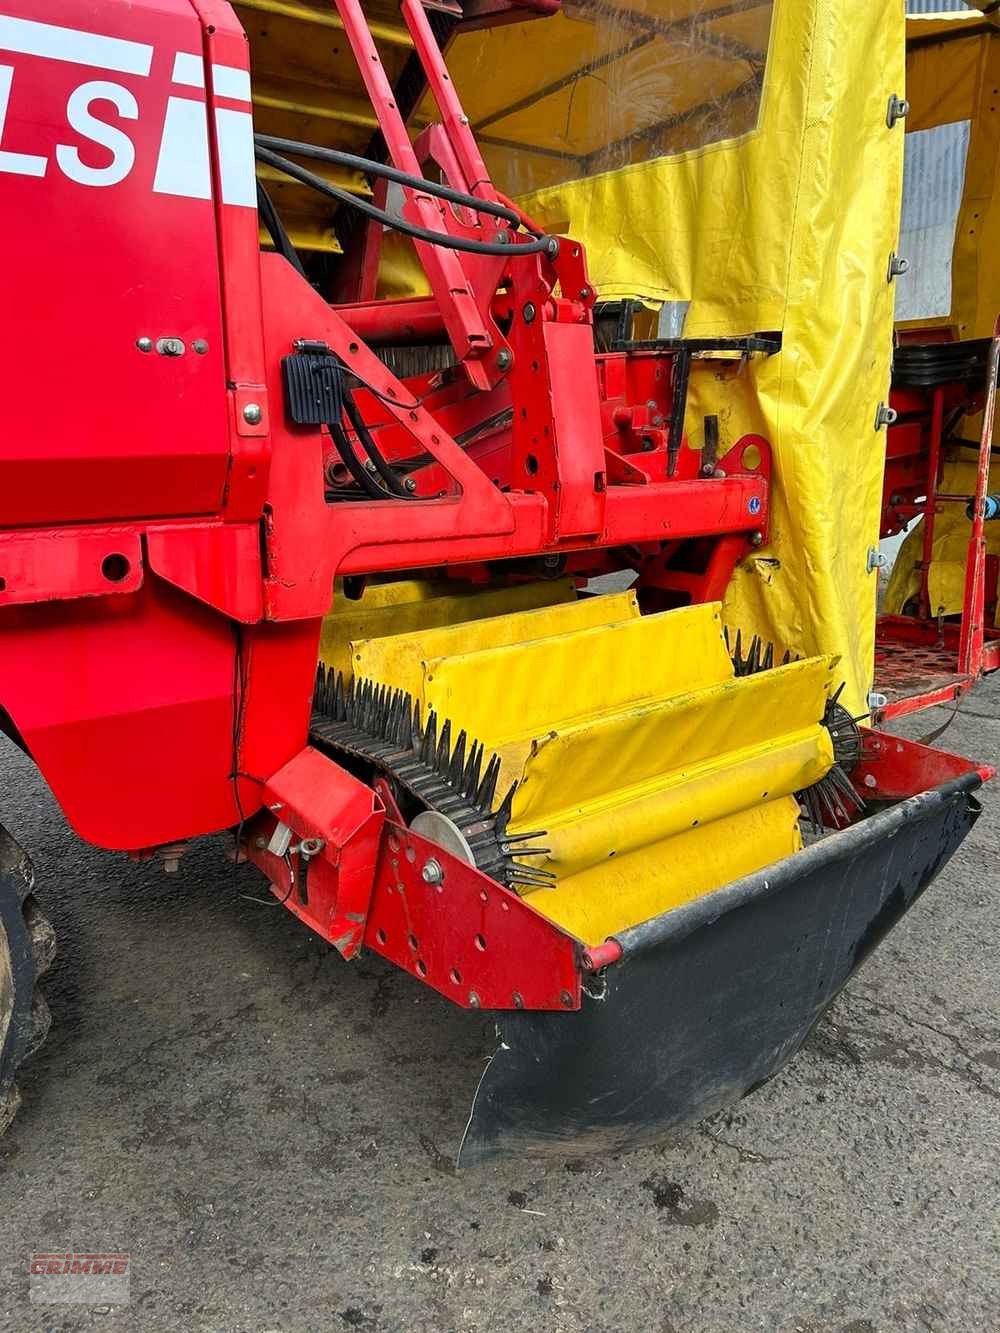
234	136
228	81
18	164
183	166
189	70
82	48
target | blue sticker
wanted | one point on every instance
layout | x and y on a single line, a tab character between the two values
754	505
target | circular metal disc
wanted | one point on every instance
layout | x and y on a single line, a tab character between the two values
440	829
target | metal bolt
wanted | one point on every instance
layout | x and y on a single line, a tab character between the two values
518	1000
897	267
253	414
885	416
585	293
200	346
529	312
756	539
473	1000
565	999
647	444
876	559
432	872
170	346
409	485
898	108
260	842
503	237
505	359
144	344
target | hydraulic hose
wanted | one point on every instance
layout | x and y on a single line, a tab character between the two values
372	168
354	465
276	229
548	245
372	449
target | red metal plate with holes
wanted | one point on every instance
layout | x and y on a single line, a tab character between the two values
893	768
475	942
58	563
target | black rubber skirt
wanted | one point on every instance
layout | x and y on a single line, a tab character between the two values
711	999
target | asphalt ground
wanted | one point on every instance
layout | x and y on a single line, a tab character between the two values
268	1130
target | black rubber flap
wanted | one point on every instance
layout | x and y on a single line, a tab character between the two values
922	365
711	999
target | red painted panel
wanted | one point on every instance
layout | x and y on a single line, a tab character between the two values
97	428
126	705
466	936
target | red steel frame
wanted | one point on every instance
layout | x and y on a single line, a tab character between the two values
919	661
165	568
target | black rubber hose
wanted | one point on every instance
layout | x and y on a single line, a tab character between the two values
372	168
372	449
354	465
276	229
548	245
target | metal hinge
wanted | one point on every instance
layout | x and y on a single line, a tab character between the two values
885	416
898	108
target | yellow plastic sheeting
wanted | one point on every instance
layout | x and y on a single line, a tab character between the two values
622	735
615	894
522	691
601	85
787	226
946	577
394	608
942	77
413	661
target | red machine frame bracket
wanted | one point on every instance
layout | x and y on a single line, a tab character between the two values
471	939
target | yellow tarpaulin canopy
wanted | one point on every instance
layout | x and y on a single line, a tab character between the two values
733	154
784	220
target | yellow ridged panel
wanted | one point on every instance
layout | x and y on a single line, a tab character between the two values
388	609
593	761
529	689
481	652
656	774
626	820
622	891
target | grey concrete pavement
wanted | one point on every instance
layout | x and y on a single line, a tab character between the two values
268	1131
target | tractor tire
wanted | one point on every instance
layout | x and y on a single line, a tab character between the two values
27	948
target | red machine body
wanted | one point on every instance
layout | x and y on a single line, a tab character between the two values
168	544
173	522
166	552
